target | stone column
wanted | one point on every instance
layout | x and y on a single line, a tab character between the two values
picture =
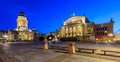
64	32
72	31
45	47
72	47
68	31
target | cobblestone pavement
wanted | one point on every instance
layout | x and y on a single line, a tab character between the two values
78	58
31	52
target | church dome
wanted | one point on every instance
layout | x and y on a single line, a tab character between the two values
21	13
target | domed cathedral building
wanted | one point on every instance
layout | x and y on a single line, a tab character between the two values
22	33
79	28
22	23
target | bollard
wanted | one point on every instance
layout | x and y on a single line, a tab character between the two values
45	45
72	47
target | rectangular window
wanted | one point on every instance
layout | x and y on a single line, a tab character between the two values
97	33
103	33
99	29
105	28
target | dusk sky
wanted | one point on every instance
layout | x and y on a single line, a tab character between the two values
48	15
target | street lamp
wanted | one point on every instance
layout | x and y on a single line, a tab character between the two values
106	36
50	38
105	31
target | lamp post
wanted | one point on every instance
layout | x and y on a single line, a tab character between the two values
106	36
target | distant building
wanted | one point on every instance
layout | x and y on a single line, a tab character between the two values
117	35
2	33
37	36
104	31
54	34
22	33
80	28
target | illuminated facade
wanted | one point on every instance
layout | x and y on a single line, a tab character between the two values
117	36
81	28
22	23
104	31
1	34
22	33
77	26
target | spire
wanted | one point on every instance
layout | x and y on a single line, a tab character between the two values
111	20
21	13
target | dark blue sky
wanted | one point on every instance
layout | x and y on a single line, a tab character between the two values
49	15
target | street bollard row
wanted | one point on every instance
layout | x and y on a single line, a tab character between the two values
72	50
71	47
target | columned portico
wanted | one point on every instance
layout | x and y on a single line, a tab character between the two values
75	27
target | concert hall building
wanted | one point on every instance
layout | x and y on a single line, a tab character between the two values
79	28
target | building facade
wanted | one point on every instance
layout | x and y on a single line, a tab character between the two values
81	28
104	31
22	23
2	33
22	33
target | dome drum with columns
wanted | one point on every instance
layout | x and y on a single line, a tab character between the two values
22	23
